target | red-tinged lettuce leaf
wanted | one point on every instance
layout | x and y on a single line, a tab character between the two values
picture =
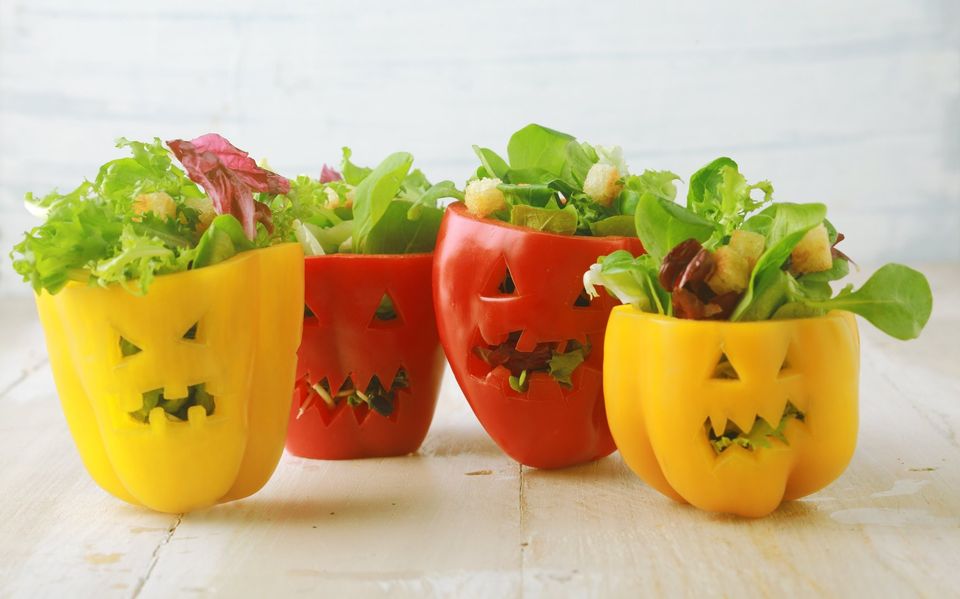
328	174
229	176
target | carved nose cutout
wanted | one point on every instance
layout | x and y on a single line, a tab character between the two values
128	348
191	333
725	370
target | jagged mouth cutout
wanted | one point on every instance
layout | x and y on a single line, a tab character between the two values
159	407
722	433
374	398
486	355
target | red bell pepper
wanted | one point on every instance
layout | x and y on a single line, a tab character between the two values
549	425
343	338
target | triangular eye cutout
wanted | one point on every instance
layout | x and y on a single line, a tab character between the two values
128	348
583	300
725	370
386	314
500	282
191	334
307	312
507	286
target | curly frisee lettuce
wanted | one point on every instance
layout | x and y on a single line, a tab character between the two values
143	216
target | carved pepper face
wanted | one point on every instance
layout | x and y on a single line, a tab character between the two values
345	337
733	417
549	425
219	340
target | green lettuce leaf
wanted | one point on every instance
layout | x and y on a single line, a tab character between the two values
562	364
662	224
374	194
632	280
896	299
784	225
536	146
562	222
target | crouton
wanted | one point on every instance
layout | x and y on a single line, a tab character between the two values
205	211
602	184
749	245
483	198
158	202
731	273
334	200
813	253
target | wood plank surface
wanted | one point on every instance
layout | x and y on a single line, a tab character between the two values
459	519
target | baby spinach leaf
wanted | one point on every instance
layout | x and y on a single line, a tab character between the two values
896	299
352	173
562	222
536	146
785	226
524	193
622	225
493	164
577	164
662	224
375	193
397	233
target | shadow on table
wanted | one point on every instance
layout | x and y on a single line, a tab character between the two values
604	470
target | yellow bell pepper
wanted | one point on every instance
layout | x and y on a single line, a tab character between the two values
248	313
678	390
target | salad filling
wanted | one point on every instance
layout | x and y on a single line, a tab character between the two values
389	209
760	435
559	360
143	216
733	254
552	182
375	396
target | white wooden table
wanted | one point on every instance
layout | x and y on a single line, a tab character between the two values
461	519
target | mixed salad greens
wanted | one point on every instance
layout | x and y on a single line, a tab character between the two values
733	254
375	396
559	360
388	209
144	216
557	184
384	210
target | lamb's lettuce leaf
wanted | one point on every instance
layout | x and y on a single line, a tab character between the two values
662	224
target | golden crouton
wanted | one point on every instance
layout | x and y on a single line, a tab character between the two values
602	184
158	202
205	211
334	201
813	253
732	272
749	245
483	198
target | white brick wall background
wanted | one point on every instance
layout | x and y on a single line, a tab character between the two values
853	103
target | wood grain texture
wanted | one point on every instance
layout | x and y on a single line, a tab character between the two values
459	519
855	103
